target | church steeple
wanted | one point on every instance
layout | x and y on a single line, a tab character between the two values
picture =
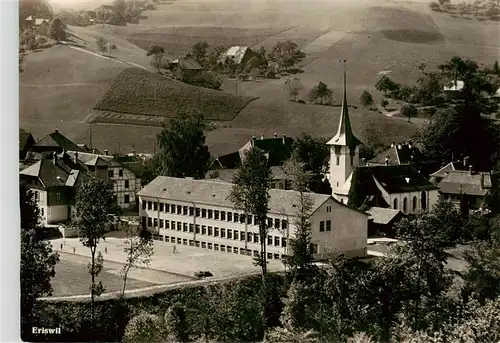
345	136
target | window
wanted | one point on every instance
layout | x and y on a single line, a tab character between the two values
179	226
191	243
222	215
249	220
229	234
191	227
197	244
269	240
277	223
111	173
203	245
172	225
167	239
126	183
328	209
210	246
352	160
256	238
222	248
395	204
255	220
203	213
328	225
216	247
167	208
191	211
167	224
242	219
236	235
283	242
249	237
216	215
155	206
423	200
242	251
256	253
229	248
276	241
185	210
273	185
210	231
269	256
197	212
120	173
414	204
143	221
185	227
172	208
127	199
179	209
321	226
314	248
162	206
150	221
242	236
276	256
405	205
150	205
216	232
338	160
236	217
284	224
203	230
282	186
223	233
144	205
161	223
210	214
269	223
197	228
230	216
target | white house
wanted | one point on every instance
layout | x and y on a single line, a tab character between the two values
199	213
400	186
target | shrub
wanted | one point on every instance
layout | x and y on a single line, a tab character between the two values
205	79
366	98
144	327
384	102
155	49
434	6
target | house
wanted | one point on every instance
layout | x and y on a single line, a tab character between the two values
185	68
404	153
400	186
199	213
42	26
26	141
125	182
381	221
239	55
53	183
55	142
278	180
276	149
466	189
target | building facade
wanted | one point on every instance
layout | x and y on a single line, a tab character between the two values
198	213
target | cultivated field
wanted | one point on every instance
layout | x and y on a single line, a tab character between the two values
374	36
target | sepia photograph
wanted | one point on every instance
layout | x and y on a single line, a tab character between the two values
262	171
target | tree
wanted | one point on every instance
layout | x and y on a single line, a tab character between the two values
408	110
94	199
57	29
144	327
176	322
453	227
183	150
199	51
112	48
385	84
496	68
314	154
250	194
158	61
293	87
366	98
384	103
286	54
102	45
155	49
483	274
120	6
138	249
321	92
29	39
37	260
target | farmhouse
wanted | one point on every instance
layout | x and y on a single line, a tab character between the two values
239	55
400	186
40	24
199	213
53	182
55	142
277	150
185	67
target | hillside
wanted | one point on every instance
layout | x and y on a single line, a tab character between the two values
138	91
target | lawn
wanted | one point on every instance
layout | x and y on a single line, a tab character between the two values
141	92
73	279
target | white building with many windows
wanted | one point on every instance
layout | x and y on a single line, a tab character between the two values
199	213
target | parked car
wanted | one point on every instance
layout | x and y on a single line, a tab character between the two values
202	274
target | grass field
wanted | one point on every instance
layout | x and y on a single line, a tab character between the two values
138	91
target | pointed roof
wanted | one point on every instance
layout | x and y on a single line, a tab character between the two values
345	136
57	140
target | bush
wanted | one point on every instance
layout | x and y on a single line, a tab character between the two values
205	79
434	6
155	49
366	98
144	327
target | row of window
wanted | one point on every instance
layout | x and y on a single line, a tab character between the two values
213	231
423	203
212	214
214	246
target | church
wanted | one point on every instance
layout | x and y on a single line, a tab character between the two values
400	187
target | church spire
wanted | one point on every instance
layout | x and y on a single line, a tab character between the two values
345	136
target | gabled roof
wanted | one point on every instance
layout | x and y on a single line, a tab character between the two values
444	171
187	64
57	140
215	193
53	174
40	21
236	53
25	139
30	18
345	136
382	215
91	159
402	153
464	182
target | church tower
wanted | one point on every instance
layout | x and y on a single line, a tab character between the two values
344	153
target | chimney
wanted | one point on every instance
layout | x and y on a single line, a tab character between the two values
466	159
261	136
275	135
54	157
392	145
470	169
410	145
387	160
253	141
75	158
133	151
56	131
106	152
400	146
284	139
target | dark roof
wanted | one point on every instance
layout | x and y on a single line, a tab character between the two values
444	171
464	182
383	215
277	150
25	139
188	64
227	175
56	140
402	153
54	174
